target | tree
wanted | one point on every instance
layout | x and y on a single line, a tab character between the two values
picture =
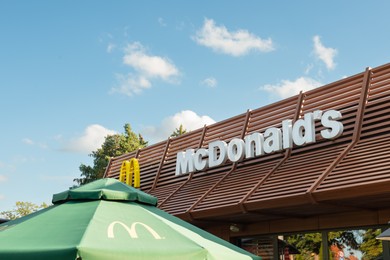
179	131
22	209
310	243
114	145
363	240
371	247
307	244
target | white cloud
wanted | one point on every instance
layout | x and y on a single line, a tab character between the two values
181	26
131	84
92	138
9	167
2	197
3	178
161	22
110	47
289	88
236	43
189	119
146	67
323	53
57	137
210	82
308	68
151	66
28	141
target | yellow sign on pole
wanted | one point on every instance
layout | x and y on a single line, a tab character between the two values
130	173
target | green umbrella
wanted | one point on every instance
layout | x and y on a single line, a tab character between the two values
385	235
107	219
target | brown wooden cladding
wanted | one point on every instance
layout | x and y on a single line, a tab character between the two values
304	181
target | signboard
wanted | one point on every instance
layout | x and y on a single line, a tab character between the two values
273	139
130	173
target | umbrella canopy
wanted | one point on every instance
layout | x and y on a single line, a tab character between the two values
384	235
107	219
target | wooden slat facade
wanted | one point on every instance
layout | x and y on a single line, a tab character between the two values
328	184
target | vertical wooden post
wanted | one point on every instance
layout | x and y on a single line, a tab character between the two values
325	245
275	247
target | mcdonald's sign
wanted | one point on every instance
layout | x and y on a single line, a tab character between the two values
130	173
131	230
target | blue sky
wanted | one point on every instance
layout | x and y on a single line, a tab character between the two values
72	72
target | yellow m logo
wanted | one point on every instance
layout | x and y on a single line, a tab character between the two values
128	171
132	230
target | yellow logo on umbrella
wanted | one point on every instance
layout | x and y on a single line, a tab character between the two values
131	230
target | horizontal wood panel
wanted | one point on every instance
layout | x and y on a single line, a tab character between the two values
328	173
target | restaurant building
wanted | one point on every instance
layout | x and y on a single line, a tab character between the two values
315	162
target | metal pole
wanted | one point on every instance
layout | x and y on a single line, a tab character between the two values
325	245
385	248
275	247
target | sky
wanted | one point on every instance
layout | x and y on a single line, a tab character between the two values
73	72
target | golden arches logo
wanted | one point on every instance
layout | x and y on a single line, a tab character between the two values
131	230
130	172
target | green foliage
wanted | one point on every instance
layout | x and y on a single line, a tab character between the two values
179	131
343	238
306	243
371	247
114	145
310	243
22	209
